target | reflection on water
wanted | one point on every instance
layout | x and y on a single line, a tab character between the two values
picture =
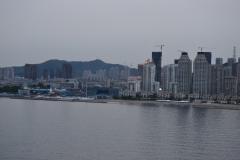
65	130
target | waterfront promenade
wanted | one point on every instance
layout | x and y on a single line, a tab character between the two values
197	105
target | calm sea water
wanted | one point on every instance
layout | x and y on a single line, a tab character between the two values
45	130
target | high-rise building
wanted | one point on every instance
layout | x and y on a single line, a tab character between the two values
58	73
126	72
157	60
11	73
0	72
176	61
208	55
140	73
238	78
51	73
219	61
140	70
231	61
234	69
149	83
238	59
66	70
101	74
170	78
30	71
7	72
230	85
45	73
200	74
226	71
87	74
113	73
215	79
184	77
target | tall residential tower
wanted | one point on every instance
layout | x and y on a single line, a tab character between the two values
200	74
184	76
157	60
30	71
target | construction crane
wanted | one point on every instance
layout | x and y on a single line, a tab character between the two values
182	51
159	46
205	48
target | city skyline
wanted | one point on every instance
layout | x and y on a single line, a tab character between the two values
118	32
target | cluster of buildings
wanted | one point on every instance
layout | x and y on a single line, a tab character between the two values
112	74
186	78
182	79
7	72
30	72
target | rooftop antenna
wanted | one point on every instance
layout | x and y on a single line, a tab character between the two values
234	52
159	46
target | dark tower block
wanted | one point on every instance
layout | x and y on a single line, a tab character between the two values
157	60
66	70
58	73
51	73
45	73
30	71
208	55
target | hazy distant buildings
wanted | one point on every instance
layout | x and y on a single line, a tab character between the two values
58	73
66	70
125	73
45	74
200	74
7	72
184	76
157	60
30	71
113	73
86	74
219	61
101	74
51	73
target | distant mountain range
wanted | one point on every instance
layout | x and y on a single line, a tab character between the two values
77	67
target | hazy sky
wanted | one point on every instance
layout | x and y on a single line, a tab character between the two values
116	31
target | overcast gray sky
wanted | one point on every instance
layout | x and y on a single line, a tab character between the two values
116	31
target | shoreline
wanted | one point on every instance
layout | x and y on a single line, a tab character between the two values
196	105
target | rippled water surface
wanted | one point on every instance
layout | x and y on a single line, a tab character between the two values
46	130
